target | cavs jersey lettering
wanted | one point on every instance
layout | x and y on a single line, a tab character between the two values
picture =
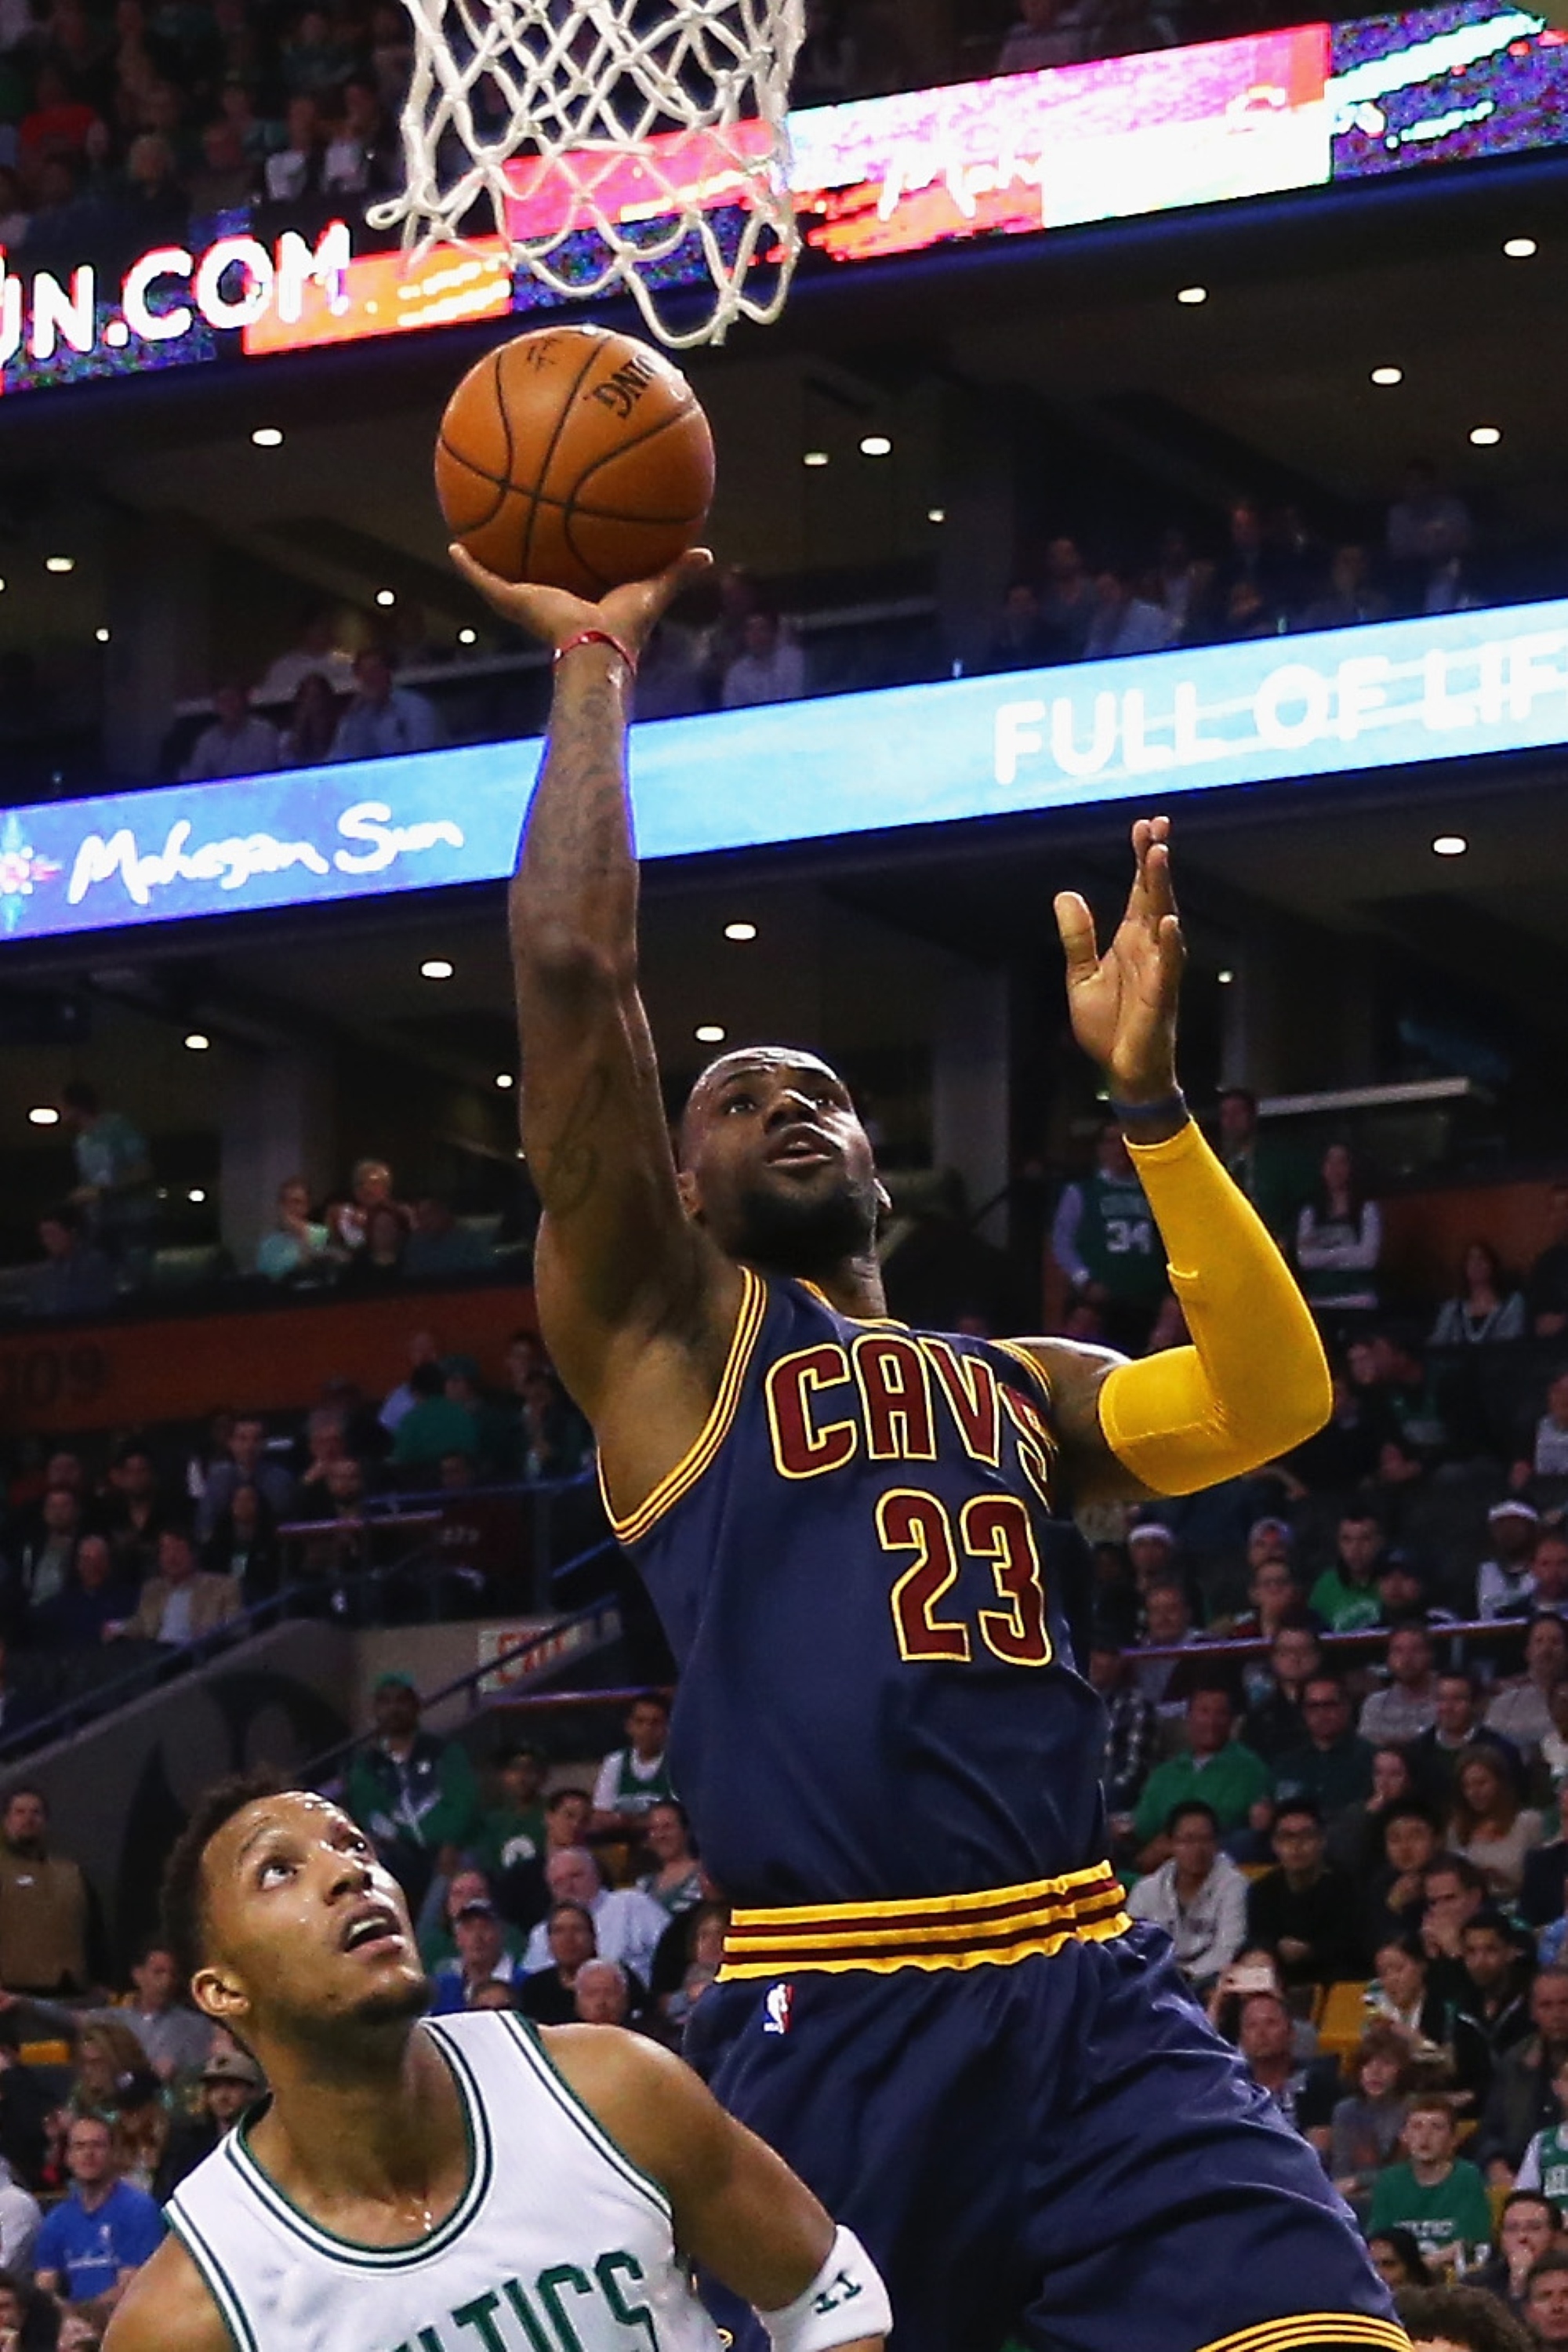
862	1577
558	2242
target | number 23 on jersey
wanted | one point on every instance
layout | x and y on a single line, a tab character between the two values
992	1530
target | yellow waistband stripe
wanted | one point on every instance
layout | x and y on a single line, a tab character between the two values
995	1928
1336	2328
690	1468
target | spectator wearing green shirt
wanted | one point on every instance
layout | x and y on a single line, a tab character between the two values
1334	1766
435	1423
1215	1770
415	1795
1437	2196
1346	1596
513	1831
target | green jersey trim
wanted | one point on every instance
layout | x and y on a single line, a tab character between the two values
350	2251
587	2123
215	2279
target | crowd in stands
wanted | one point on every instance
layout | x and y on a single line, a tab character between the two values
154	1542
97	1244
1275	573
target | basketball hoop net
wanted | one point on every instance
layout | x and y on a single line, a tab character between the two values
618	145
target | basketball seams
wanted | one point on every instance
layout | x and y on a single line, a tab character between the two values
595	351
526	530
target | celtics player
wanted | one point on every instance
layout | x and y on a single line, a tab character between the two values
1106	1241
466	2186
860	1539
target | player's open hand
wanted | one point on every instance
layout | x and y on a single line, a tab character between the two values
553	615
1123	1002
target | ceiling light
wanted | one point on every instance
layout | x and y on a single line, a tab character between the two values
1450	845
1388	375
102	635
267	436
505	1081
1192	294
740	930
385	597
709	1033
816	459
195	1196
467	636
1520	248
876	445
1485	437
1226	977
43	1115
59	563
196	1043
2	587
434	968
936	514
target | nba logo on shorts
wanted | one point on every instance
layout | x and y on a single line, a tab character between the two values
776	2009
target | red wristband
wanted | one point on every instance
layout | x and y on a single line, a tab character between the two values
599	637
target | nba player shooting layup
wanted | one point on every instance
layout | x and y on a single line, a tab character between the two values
466	2186
932	2003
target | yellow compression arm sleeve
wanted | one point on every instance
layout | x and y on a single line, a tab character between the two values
1254	1380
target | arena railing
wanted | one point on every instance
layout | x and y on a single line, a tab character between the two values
153	1664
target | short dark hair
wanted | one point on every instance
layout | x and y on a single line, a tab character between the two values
1531	2197
1191	1806
650	1698
1467	2315
1307	1807
1549	2261
21	1788
557	1797
1492	1920
185	1890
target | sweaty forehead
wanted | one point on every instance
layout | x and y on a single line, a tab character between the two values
765	1062
295	1811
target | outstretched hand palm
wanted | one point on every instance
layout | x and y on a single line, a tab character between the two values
1123	1004
553	615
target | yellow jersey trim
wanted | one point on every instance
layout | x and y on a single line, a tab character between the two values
1325	2328
715	1429
916	1910
1036	1372
1001	1956
995	1929
866	1322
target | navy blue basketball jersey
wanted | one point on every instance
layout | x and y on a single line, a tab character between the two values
861	1575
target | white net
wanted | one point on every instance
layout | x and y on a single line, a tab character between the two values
633	146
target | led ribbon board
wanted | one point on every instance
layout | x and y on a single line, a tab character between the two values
1019	155
1154	725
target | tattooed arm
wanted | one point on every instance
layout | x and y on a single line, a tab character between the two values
635	1304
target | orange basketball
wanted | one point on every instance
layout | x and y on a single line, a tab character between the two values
577	459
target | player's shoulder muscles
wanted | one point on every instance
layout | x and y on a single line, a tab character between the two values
1074	1374
736	2207
168	2308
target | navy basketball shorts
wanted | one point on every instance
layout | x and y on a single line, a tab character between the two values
1059	2151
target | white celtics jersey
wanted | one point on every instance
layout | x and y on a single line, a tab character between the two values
558	2244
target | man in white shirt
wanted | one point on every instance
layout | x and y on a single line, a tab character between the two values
317	655
237	743
383	719
20	2221
636	1776
769	669
1505	1582
627	1924
1199	1898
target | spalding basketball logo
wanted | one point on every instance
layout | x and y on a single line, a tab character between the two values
776	2009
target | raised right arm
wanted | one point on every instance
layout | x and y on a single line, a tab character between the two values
635	1304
